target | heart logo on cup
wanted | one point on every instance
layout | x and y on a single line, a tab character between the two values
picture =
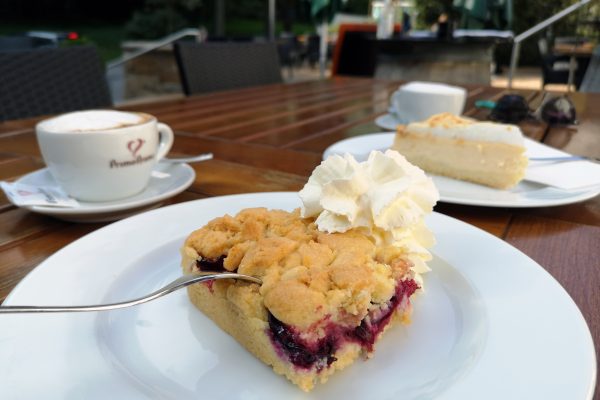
135	145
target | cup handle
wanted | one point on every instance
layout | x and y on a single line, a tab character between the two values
166	139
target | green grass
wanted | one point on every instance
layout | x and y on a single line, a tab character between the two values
107	38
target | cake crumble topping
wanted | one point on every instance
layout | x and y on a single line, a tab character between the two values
307	274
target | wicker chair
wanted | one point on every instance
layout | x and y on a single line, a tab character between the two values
211	67
51	81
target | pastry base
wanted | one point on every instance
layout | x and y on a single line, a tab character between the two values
250	328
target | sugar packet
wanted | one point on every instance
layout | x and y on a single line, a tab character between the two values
21	194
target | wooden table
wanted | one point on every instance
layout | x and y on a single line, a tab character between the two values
583	51
270	138
577	49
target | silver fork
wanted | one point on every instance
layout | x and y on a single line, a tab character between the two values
563	158
177	284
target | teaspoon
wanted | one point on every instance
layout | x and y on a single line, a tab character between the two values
193	159
563	158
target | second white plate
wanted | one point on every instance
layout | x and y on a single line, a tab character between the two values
525	194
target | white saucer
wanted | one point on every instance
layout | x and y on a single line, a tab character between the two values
525	194
388	121
179	177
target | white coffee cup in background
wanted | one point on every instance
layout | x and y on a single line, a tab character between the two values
103	155
417	101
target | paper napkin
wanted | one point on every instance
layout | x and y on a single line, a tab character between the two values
567	175
27	195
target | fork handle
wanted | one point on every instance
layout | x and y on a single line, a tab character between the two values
177	284
563	158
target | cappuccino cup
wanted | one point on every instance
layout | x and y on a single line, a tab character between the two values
417	101
103	155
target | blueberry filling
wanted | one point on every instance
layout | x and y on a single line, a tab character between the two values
299	353
211	264
371	326
305	355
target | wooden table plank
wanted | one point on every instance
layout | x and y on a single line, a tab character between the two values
13	165
584	213
203	116
19	225
245	95
323	124
218	178
8	128
244	121
296	162
23	143
490	219
319	141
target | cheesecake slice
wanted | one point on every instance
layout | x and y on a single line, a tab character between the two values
486	153
325	300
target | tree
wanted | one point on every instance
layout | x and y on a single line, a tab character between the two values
159	18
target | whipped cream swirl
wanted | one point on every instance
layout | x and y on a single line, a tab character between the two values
386	197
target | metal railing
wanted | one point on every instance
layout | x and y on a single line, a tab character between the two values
155	45
514	57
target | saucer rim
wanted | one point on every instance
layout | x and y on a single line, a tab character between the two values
381	117
116	205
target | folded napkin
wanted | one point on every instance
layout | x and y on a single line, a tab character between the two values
567	175
22	195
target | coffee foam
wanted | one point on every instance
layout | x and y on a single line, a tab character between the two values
93	120
431	88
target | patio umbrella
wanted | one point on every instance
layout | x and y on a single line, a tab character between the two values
322	11
485	14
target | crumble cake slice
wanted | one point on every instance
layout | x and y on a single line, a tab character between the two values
325	300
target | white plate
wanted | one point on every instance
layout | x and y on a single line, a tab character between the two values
492	324
168	180
388	121
525	194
